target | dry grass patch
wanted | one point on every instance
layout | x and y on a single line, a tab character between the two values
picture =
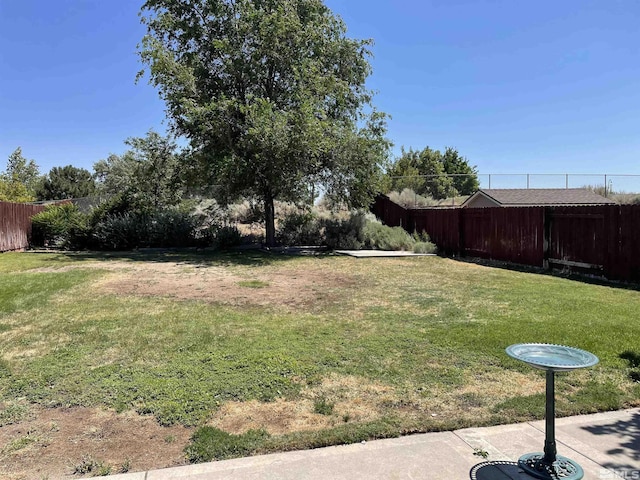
353	399
277	418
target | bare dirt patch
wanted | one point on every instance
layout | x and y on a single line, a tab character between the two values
53	443
275	287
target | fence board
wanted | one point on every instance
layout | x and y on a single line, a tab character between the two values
578	234
476	232
392	214
15	225
442	225
624	260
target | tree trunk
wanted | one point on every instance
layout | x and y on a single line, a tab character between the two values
270	221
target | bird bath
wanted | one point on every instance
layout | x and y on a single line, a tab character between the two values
551	358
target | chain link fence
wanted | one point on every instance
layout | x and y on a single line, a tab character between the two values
410	191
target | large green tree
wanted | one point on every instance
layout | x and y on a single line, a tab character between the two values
271	95
66	182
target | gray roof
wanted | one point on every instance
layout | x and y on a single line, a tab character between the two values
542	196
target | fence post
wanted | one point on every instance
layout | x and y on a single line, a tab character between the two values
546	241
461	250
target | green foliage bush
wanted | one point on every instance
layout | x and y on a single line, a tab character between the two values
345	233
226	236
410	199
122	223
246	212
119	232
382	237
116	205
129	230
352	231
299	228
58	226
423	243
424	247
209	443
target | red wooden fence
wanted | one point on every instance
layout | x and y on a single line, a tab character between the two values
602	239
15	224
394	215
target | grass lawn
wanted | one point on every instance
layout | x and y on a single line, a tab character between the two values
257	353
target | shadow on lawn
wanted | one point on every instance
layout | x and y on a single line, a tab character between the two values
249	257
575	276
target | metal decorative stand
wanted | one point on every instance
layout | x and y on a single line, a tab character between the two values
552	358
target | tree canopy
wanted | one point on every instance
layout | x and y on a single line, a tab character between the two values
271	95
66	182
433	173
19	181
147	173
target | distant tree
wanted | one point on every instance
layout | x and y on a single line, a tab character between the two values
271	95
404	173
432	173
464	176
422	172
437	183
115	174
14	192
66	182
22	170
20	179
148	173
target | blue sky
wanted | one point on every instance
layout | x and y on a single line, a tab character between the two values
515	86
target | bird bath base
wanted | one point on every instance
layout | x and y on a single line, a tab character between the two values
563	468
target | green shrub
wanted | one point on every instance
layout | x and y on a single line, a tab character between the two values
382	237
226	236
423	243
57	225
424	247
410	199
345	233
209	443
170	228
247	211
129	230
116	205
119	232
299	228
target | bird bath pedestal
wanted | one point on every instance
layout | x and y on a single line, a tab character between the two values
551	358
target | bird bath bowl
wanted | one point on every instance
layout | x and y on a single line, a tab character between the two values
551	358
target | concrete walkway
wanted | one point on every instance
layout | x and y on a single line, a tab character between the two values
382	253
606	445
